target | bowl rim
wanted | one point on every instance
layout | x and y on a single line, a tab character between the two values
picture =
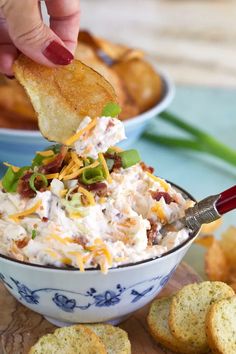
168	95
133	265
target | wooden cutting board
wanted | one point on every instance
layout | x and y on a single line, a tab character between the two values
20	328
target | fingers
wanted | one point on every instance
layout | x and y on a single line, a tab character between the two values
8	51
31	36
64	20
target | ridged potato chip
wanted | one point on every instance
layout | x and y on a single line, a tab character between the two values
143	83
63	96
228	244
216	264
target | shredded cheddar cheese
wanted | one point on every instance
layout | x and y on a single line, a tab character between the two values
63	192
76	160
88	195
116	148
80	171
14	168
45	153
100	249
66	260
48	160
66	170
63	240
52	253
104	164
76	215
79	259
52	176
16	217
158	210
102	200
76	136
162	183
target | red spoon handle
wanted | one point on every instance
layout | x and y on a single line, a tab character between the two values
226	201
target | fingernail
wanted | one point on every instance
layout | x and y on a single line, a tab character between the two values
10	77
58	54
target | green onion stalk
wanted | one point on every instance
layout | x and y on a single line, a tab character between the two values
199	140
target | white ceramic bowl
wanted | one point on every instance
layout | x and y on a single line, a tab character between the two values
65	296
18	146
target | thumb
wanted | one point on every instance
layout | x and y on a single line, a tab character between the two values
31	36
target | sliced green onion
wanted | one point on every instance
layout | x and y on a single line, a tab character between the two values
111	110
34	234
38	159
199	140
35	176
56	148
92	175
10	179
129	158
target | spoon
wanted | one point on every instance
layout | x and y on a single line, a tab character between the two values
204	212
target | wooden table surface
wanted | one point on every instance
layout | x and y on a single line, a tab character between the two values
20	327
194	40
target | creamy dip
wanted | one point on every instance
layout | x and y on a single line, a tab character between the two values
82	221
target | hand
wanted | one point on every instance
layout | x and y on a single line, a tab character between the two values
22	29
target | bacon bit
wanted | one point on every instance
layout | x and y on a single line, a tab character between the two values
80	240
158	195
84	200
23	187
99	188
146	168
110	125
55	165
22	243
152	233
117	161
44	219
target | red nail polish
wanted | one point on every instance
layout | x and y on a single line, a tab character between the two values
58	54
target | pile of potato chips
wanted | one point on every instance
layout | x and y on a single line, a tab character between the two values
137	85
220	257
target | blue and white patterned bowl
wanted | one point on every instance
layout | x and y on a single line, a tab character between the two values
65	296
18	146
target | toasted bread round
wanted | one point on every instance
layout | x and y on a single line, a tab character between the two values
63	96
76	339
159	328
188	311
115	339
221	326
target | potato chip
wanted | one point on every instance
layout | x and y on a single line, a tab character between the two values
14	100
228	244
10	120
209	228
233	286
232	276
118	52
87	55
63	96
143	83
205	241
216	264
